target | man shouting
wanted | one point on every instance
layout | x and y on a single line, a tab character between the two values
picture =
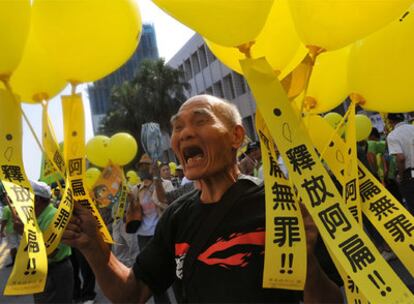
211	240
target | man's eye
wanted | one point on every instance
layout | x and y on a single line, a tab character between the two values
177	128
201	121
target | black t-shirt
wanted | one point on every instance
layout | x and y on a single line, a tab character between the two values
230	268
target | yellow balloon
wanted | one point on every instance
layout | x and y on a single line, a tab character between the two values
97	150
173	167
122	148
363	127
381	67
229	23
333	24
87	39
334	119
36	78
328	85
277	41
14	30
91	176
133	178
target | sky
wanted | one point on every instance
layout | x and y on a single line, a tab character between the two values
171	36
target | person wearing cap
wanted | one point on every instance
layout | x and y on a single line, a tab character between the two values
252	161
59	283
400	143
226	258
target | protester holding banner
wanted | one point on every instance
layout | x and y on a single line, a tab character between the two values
206	135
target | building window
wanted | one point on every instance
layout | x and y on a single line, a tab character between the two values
239	84
181	69
249	126
196	64
228	87
188	71
210	56
203	56
209	91
218	89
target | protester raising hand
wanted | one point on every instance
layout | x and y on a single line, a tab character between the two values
82	231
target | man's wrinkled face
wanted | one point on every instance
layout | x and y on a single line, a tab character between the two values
201	141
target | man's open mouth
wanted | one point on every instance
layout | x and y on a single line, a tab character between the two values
193	154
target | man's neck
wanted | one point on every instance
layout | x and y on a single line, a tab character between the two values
214	187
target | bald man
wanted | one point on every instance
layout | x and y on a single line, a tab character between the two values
228	266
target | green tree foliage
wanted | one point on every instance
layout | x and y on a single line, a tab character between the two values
154	95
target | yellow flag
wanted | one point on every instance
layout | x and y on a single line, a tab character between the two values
384	211
350	181
341	233
30	269
285	247
54	157
74	155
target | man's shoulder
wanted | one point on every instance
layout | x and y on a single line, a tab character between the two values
190	198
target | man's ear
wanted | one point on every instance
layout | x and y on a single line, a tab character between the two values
238	136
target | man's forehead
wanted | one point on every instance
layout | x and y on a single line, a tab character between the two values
194	107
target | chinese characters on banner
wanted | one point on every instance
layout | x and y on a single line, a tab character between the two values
30	269
351	246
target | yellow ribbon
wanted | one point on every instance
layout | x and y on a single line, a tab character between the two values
30	269
285	246
341	233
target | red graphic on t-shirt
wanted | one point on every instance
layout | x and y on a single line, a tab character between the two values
181	248
239	259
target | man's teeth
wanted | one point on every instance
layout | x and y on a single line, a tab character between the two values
194	159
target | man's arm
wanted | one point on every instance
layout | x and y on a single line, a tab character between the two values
117	281
400	159
319	288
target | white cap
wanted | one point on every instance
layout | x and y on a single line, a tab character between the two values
41	189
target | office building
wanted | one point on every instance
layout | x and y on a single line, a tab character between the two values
207	75
100	91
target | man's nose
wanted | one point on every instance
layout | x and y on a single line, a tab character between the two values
187	133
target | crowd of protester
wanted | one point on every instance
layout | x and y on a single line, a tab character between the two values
71	279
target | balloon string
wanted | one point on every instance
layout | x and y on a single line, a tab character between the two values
9	89
74	85
341	123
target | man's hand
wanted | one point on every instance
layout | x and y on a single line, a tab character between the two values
82	231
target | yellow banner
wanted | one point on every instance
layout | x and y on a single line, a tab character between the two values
285	247
385	212
341	233
120	211
50	143
54	157
107	188
350	181
74	155
30	269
